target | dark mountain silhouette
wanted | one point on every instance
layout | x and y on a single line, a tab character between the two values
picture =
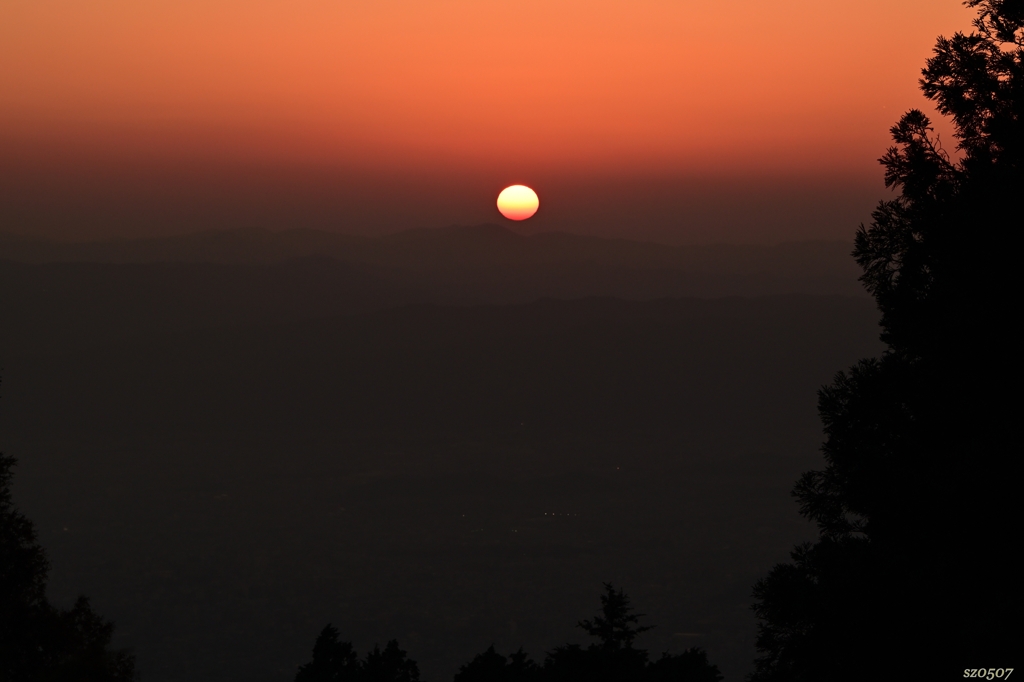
894	581
104	292
329	273
482	246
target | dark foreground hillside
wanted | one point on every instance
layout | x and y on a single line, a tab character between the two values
450	476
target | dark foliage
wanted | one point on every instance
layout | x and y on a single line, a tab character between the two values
573	663
336	661
617	626
490	666
390	665
915	503
612	659
690	666
333	660
39	642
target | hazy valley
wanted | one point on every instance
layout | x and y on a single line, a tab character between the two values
450	437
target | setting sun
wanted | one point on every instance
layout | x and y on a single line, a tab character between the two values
518	202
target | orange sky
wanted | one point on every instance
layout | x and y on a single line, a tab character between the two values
394	95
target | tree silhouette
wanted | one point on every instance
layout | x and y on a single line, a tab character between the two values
336	661
390	665
917	487
333	660
612	659
23	571
39	642
490	666
616	627
690	666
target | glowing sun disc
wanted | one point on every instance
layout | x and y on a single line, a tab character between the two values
518	202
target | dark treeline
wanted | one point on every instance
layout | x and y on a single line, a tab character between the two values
336	661
916	502
611	658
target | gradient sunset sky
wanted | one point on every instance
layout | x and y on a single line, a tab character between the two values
672	120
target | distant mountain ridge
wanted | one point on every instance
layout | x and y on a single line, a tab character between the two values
481	246
101	291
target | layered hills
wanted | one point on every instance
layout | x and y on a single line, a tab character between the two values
482	246
102	290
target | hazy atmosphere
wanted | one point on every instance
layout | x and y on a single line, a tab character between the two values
662	121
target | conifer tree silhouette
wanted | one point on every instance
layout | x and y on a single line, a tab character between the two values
612	657
617	626
333	660
917	496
